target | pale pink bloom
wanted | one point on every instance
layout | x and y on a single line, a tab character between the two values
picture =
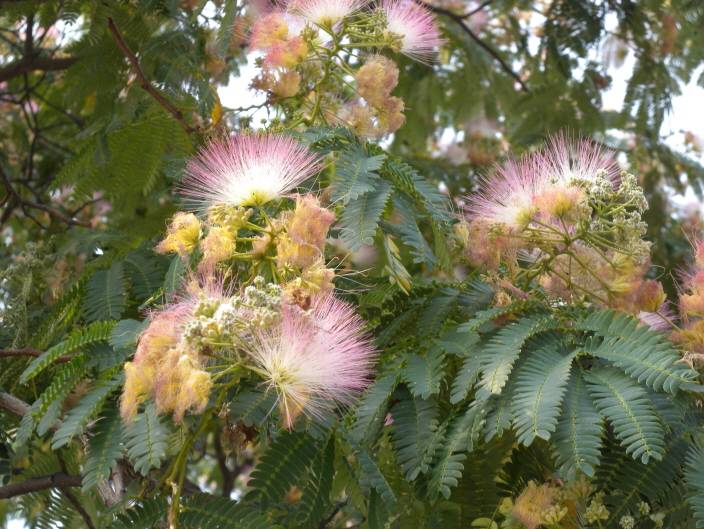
566	160
247	170
415	25
698	247
325	12
517	191
274	28
508	195
315	359
658	321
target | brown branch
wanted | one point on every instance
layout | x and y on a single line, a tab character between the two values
35	63
59	480
144	82
29	351
25	351
459	19
13	404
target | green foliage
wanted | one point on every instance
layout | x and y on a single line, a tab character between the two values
579	430
413	431
372	478
626	406
424	373
146	439
78	339
539	389
283	464
499	355
642	353
462	434
106	295
210	512
316	499
87	409
63	382
356	174
252	406
695	482
104	448
468	373
479	387
372	408
360	218
144	515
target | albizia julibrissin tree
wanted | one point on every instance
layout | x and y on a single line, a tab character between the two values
320	337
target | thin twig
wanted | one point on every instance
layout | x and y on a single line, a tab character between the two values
72	498
459	19
25	204
144	82
477	9
339	505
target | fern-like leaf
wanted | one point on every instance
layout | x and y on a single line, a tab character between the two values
145	515
626	406
642	353
106	296
504	348
467	376
87	409
372	478
356	174
104	449
413	430
146	439
283	464
463	434
372	408
407	180
424	373
204	511
499	414
537	396
95	332
634	480
63	382
252	406
578	435
145	273
360	218
316	498
694	476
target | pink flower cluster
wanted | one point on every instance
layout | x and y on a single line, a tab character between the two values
247	170
315	359
545	186
691	305
415	26
567	218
